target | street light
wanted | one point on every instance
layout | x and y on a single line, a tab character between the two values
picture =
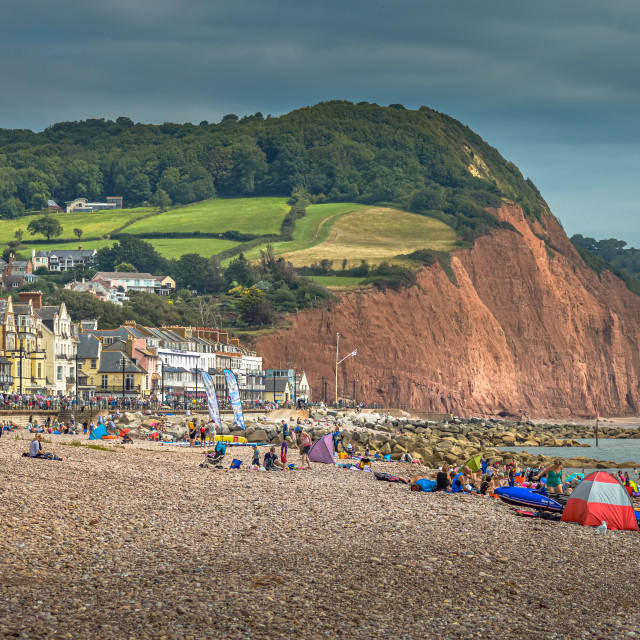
124	361
349	355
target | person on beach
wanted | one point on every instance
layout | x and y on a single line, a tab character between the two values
335	438
461	481
554	476
256	456
442	478
35	450
192	434
271	460
203	434
305	447
283	452
285	430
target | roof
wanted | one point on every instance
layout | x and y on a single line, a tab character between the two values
75	254
89	346
281	385
52	203
48	312
42	254
120	275
111	362
21	308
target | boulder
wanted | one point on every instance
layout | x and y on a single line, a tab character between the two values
258	435
385	449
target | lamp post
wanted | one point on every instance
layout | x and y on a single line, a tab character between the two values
76	376
349	355
20	370
196	386
124	362
354	394
162	377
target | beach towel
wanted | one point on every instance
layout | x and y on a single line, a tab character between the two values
424	485
387	477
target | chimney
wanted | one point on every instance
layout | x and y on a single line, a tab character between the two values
34	296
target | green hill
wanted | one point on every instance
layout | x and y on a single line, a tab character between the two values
415	160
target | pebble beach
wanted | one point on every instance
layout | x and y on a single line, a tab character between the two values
141	542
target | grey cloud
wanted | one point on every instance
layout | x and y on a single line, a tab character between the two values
522	74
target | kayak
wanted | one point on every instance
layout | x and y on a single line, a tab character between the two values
521	497
533	498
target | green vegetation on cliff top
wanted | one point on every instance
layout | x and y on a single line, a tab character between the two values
415	160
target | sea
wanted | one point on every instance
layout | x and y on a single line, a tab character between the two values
619	451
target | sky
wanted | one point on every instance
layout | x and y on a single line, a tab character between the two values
554	85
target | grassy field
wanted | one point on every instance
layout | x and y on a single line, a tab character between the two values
332	231
176	247
313	229
95	224
337	282
247	215
374	234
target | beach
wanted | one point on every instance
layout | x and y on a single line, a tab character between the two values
140	542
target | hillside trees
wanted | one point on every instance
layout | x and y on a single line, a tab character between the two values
335	150
134	251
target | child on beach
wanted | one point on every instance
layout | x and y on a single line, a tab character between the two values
256	456
283	453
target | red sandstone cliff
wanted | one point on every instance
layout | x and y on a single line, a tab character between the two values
525	329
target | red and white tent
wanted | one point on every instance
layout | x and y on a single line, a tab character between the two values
601	496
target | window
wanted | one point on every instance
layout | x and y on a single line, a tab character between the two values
105	381
59	374
94	363
128	381
39	370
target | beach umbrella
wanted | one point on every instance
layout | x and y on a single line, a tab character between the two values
474	463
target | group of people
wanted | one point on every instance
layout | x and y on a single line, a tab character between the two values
484	481
289	438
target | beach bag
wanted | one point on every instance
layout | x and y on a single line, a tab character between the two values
235	463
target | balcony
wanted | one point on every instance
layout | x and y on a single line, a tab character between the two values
71	379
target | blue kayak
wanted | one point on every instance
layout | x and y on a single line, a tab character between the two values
536	499
532	498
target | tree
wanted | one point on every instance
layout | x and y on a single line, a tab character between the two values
18	235
240	271
160	200
47	226
77	233
134	250
253	307
125	267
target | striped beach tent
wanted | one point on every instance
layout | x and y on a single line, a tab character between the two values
600	496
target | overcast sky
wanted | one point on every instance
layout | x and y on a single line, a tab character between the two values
553	84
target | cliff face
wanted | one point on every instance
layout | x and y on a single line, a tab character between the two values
525	329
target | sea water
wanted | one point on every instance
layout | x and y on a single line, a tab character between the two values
608	449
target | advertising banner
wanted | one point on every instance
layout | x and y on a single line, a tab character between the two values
234	395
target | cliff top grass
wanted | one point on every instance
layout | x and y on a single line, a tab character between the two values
258	216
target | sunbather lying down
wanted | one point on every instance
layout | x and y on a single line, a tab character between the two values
35	450
434	481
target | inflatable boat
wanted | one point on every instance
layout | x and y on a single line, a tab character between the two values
536	499
532	498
